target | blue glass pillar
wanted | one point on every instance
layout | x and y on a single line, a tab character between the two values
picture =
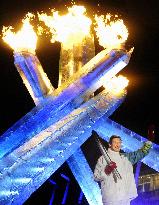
33	75
84	175
53	192
67	188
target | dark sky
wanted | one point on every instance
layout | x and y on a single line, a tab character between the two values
140	107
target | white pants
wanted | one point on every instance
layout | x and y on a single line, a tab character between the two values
123	202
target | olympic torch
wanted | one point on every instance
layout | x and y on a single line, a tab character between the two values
116	174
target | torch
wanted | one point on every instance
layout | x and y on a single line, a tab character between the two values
116	174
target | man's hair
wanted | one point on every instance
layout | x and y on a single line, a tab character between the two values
113	137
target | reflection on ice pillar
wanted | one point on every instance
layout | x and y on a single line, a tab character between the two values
30	165
39	85
33	75
83	124
103	65
80	198
84	175
53	192
66	190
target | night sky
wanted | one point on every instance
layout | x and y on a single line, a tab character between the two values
140	108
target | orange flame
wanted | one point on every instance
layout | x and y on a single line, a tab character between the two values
116	84
111	34
25	39
70	28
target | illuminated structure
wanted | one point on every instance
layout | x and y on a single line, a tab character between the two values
64	131
37	145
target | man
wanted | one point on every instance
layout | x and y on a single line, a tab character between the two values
120	191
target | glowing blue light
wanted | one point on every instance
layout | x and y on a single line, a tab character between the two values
47	119
72	131
84	175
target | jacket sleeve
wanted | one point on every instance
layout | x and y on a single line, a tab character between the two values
138	155
99	173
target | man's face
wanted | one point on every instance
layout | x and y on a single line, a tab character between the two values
115	145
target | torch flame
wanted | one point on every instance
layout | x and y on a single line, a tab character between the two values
68	29
24	40
111	34
116	84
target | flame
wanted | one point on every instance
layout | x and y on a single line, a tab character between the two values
24	40
40	30
68	29
117	84
111	34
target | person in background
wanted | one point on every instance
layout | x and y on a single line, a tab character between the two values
122	191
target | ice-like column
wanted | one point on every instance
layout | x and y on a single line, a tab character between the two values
71	60
102	67
130	140
66	189
33	75
53	192
84	175
28	166
54	108
80	198
75	56
30	69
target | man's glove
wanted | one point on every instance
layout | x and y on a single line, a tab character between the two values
146	147
110	167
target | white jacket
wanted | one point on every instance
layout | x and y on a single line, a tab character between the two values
124	188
